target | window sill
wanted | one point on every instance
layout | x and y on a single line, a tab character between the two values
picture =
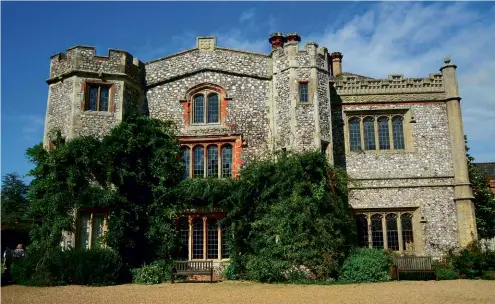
206	126
98	113
401	151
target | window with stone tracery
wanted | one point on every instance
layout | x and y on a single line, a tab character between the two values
386	230
376	132
206	108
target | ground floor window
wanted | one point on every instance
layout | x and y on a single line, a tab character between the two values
386	230
91	228
203	238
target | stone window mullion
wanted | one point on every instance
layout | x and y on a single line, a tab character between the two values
384	228
399	231
205	235
205	108
377	143
361	127
205	161
390	133
370	235
219	230
219	163
190	249
90	238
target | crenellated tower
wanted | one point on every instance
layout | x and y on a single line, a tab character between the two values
300	103
89	94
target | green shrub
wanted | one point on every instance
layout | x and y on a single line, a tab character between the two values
95	267
489	275
366	265
446	274
230	272
154	273
266	270
470	261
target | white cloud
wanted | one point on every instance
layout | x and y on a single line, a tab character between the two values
412	39
247	15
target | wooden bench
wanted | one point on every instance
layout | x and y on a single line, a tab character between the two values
414	265
192	267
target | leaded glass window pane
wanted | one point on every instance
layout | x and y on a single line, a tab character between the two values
383	134
199	109
199	162
225	242
362	230
369	133
104	96
377	231
392	232
212	239
227	161
197	252
355	134
303	92
213	108
93	97
398	132
184	236
84	225
407	231
186	160
212	161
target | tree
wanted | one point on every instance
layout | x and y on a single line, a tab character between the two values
14	202
130	172
484	200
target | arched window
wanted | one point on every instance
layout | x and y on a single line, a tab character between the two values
186	160
407	231
227	161
199	162
355	134
213	108
369	133
362	229
199	109
383	133
392	232
197	252
212	161
377	231
398	132
212	239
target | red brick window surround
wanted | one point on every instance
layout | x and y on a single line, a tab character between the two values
205	104
217	157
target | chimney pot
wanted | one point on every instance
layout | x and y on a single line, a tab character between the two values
336	63
276	40
292	37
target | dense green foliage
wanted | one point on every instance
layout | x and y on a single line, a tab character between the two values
484	200
288	212
57	267
446	274
14	202
470	262
130	171
367	265
157	272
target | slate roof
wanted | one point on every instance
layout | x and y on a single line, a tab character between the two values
487	168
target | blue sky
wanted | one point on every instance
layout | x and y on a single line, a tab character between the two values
376	39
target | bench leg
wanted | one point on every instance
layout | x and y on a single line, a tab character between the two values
211	276
172	279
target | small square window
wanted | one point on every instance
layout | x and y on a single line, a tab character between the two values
303	92
97	98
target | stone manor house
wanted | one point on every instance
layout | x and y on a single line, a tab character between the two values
400	139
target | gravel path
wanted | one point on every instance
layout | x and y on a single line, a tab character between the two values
459	291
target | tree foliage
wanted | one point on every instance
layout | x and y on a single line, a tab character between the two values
484	200
14	202
130	172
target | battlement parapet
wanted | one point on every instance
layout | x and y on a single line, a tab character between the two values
395	83
84	58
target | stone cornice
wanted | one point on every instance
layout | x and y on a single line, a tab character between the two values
389	98
92	74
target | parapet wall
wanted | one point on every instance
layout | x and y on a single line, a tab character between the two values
83	58
396	83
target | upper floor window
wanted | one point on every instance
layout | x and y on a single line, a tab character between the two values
206	108
303	92
378	132
91	229
97	97
213	160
